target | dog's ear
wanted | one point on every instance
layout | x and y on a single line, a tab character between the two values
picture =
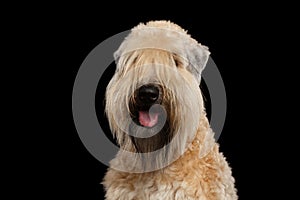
198	56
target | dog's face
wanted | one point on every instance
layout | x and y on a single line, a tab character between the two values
153	101
151	98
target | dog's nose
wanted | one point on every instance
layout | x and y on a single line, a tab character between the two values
148	94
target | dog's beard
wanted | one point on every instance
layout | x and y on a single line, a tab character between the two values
160	137
158	143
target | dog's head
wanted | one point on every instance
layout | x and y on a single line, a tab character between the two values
153	101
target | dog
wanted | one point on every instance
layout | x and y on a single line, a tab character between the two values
155	111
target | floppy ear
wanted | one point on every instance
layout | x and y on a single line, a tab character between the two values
198	56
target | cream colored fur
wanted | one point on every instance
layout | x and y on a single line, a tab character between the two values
161	52
169	37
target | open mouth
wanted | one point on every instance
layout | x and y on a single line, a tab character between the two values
150	128
147	118
145	108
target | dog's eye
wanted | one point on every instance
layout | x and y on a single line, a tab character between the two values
177	61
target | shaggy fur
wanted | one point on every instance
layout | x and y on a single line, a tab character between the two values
181	160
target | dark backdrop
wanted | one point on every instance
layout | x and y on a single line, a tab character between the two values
69	37
84	172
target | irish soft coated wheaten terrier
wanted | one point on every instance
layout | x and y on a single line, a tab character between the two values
155	111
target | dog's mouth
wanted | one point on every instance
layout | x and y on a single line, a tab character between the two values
148	119
145	105
150	128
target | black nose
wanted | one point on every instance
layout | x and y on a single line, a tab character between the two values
148	94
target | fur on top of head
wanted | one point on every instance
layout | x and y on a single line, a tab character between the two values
167	36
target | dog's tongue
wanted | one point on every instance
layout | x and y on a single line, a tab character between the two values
148	119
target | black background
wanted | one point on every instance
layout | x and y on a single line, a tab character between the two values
62	36
82	173
85	172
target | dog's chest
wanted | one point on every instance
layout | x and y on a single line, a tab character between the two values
164	187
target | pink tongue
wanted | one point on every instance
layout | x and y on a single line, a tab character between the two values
148	119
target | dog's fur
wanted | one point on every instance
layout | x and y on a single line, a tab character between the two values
186	163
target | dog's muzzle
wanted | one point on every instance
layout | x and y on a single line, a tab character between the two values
146	99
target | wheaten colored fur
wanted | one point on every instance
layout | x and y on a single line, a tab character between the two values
201	171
